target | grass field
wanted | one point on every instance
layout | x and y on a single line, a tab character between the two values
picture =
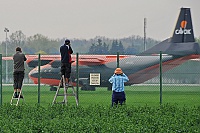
179	112
99	119
136	95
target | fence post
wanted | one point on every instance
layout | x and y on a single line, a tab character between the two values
1	79
160	77
77	77
117	59
39	64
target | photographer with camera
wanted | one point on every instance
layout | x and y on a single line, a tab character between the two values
66	60
118	80
18	75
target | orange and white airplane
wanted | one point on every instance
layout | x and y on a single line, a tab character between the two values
139	68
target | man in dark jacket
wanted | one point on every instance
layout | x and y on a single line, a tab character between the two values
18	73
66	60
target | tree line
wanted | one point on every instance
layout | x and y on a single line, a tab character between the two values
39	43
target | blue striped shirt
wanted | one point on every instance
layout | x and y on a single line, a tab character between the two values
118	82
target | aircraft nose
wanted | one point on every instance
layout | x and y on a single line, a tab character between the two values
33	75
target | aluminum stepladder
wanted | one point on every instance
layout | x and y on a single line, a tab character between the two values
15	101
62	84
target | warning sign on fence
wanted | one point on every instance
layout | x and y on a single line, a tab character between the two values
94	78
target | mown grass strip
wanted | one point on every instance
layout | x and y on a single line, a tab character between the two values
136	96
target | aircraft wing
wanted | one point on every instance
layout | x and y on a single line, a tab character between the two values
7	58
88	60
34	57
32	60
91	61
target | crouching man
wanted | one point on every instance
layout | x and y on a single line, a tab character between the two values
118	80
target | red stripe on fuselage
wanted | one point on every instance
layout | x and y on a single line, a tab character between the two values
153	71
51	82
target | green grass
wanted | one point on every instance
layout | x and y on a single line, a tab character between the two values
99	119
135	95
179	112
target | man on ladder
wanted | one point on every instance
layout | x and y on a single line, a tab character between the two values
66	60
18	74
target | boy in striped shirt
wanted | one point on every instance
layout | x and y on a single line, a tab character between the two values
118	80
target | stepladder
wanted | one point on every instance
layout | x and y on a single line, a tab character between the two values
64	92
15	99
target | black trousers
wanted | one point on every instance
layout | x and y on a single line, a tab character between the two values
66	69
118	97
18	79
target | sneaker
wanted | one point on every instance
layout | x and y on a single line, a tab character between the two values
21	96
66	84
15	95
61	85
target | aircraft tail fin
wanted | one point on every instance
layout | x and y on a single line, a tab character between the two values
182	42
183	31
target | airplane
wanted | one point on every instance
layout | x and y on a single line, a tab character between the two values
176	50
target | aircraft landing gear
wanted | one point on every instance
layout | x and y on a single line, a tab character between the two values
85	85
109	87
52	88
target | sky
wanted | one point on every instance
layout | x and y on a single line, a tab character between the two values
86	19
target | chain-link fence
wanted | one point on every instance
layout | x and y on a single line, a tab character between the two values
153	80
